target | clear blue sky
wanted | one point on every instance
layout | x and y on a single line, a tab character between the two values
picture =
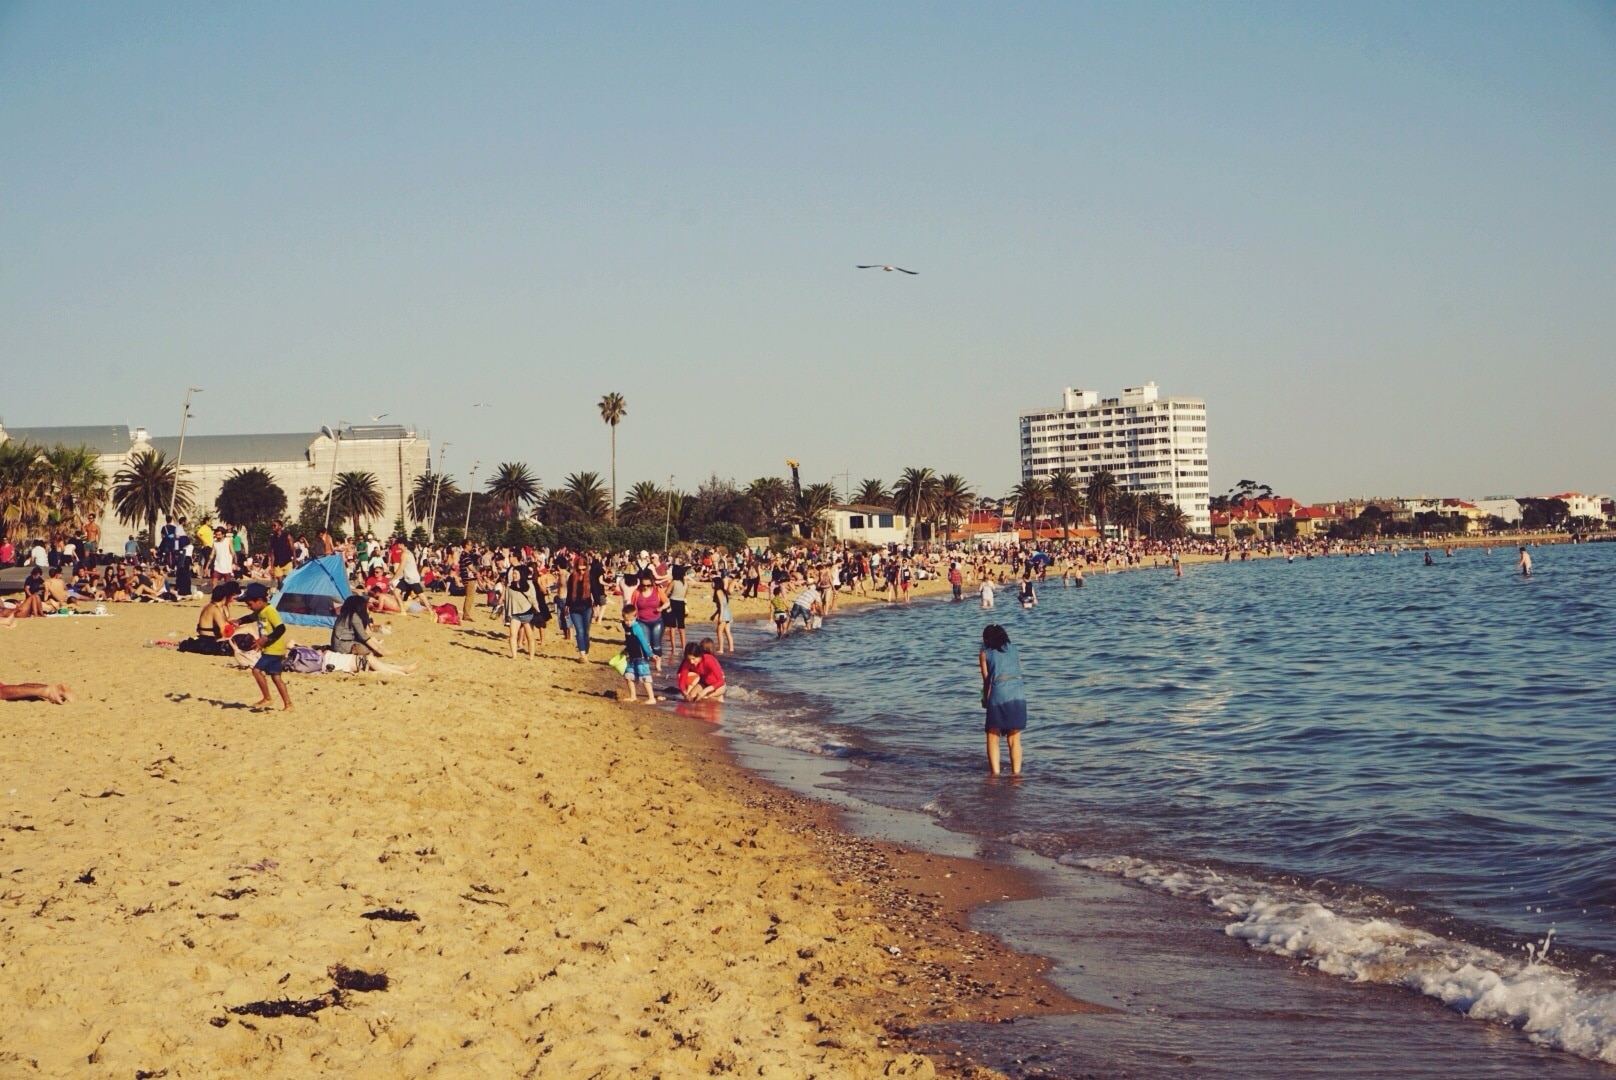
1379	239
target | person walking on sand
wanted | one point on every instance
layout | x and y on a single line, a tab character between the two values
1003	696
271	645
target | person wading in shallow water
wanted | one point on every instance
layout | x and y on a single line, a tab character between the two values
1003	696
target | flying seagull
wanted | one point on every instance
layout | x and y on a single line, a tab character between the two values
877	266
377	419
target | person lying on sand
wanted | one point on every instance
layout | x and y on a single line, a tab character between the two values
56	695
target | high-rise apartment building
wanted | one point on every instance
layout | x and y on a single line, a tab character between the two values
1148	442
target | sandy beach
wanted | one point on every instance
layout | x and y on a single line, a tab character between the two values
553	883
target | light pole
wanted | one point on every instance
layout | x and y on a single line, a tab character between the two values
667	515
437	489
179	455
331	488
470	490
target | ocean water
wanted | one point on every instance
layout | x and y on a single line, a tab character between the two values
1383	771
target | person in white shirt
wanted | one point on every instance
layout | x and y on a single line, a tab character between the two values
224	564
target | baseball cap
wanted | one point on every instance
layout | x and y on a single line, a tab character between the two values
255	591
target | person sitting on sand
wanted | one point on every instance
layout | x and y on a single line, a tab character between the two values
351	633
58	694
383	603
271	643
33	596
213	625
56	598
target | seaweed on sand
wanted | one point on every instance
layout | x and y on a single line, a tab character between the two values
388	914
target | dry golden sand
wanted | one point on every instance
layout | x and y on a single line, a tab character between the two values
590	902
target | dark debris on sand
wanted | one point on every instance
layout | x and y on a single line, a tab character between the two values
388	914
346	979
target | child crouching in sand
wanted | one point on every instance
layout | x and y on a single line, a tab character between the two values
637	644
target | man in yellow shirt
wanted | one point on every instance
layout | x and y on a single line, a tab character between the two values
271	644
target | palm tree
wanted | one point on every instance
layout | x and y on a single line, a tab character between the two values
873	493
813	508
1171	521
1151	505
430	488
144	488
249	496
775	498
78	485
645	504
954	498
612	410
1066	498
513	486
24	485
585	495
357	495
1102	488
915	494
1030	496
1125	509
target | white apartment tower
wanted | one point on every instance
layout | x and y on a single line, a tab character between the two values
1148	442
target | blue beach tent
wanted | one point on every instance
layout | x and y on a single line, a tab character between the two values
312	594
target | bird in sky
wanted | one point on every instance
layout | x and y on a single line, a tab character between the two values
378	417
899	269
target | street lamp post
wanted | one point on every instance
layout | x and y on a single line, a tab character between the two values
471	490
331	487
179	455
667	513
437	489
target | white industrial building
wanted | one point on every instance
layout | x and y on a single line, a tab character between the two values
1148	442
877	525
296	460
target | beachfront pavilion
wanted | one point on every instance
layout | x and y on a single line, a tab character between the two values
394	454
878	525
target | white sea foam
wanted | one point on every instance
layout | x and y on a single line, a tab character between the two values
1546	1003
936	808
783	730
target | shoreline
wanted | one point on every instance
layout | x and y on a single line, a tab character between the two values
171	856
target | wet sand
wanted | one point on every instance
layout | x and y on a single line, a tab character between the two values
552	882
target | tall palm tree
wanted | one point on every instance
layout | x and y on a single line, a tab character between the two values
954	498
1125	510
915	494
1150	508
513	486
145	487
1171	521
24	486
77	484
645	504
1031	495
430	488
357	495
612	410
1102	488
813	508
585	495
873	493
1066	498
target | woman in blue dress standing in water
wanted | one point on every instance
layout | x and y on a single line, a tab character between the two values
1004	696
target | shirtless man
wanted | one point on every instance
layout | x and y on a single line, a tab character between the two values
1525	562
56	598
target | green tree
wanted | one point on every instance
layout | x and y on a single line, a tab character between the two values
77	485
1102	488
813	509
1066	497
1031	496
143	488
587	498
357	495
1125	511
1172	523
645	504
915	495
249	496
433	490
513	487
612	410
774	498
873	493
954	497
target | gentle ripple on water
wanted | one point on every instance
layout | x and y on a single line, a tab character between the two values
1435	739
